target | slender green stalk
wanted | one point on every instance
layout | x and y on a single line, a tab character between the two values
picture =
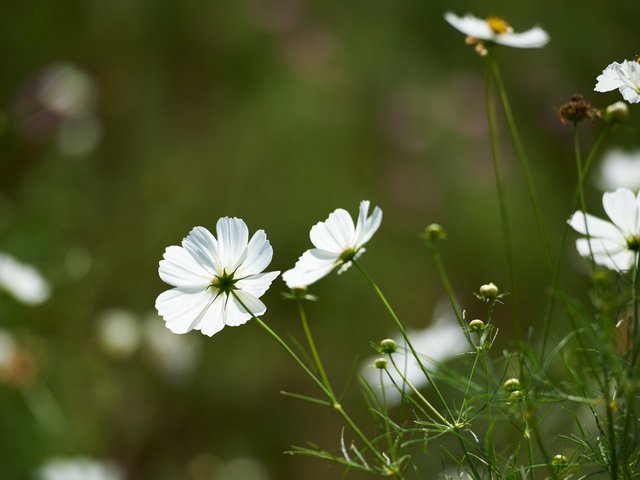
555	282
417	393
497	170
334	402
524	163
583	203
403	331
312	347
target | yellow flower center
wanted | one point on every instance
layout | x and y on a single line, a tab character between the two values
637	58
498	25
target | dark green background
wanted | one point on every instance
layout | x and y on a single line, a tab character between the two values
278	112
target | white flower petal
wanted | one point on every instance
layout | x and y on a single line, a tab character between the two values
609	79
213	319
237	314
334	234
631	95
258	256
233	237
310	267
180	269
533	38
470	25
182	308
595	227
369	224
609	254
622	208
203	247
258	283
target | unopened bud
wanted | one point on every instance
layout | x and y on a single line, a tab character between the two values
489	291
476	325
617	112
388	346
511	384
380	363
559	462
516	395
434	232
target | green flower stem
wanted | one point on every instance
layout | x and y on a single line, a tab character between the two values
446	284
555	282
385	411
403	331
334	401
312	346
417	393
524	163
583	203
497	169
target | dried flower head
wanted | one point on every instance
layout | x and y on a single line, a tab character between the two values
576	110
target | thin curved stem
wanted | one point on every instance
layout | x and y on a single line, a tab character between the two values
524	163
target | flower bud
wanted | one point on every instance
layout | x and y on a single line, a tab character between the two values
476	325
434	232
617	112
388	346
516	395
489	291
511	384
380	363
559	462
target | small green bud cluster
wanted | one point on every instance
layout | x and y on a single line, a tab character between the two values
511	384
380	363
617	112
489	292
434	232
476	325
388	346
559	462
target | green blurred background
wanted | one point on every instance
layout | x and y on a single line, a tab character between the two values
278	112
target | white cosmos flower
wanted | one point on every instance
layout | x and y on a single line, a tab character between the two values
217	282
337	243
613	244
496	30
22	281
619	168
624	76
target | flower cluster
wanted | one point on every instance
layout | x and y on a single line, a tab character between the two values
218	280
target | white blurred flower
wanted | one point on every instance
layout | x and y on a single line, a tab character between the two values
613	244
22	281
67	90
79	135
119	332
337	243
79	468
619	169
623	76
217	282
177	356
496	30
435	344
